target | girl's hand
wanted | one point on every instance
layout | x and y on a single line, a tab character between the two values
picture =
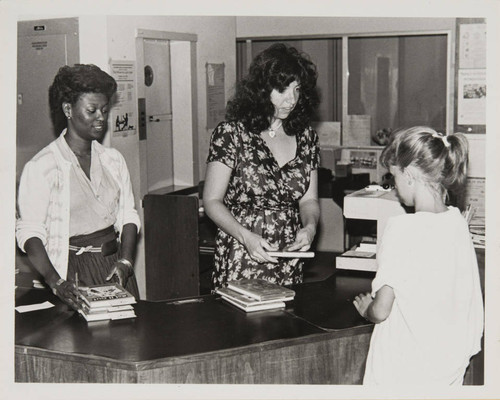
303	240
361	302
120	273
67	292
257	248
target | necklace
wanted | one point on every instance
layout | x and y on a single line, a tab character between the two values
272	131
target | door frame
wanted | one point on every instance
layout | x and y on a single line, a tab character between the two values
184	110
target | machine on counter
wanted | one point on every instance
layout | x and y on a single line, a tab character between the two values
370	203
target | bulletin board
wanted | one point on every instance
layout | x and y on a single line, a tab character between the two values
123	114
470	76
216	105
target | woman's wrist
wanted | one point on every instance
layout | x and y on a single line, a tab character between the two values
53	281
128	264
59	282
311	229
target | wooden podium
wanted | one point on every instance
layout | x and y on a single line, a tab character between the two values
171	244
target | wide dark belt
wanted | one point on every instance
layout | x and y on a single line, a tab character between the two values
103	241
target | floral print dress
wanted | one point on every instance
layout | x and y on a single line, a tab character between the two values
264	198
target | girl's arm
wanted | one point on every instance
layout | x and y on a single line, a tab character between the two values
309	215
378	309
216	184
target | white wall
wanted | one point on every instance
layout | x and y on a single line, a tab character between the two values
247	27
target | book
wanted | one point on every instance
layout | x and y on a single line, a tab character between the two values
261	289
357	260
96	310
227	293
257	307
292	254
112	315
105	295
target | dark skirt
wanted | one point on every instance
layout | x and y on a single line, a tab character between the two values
94	268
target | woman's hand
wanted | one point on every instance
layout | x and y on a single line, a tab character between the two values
303	240
257	247
67	292
362	301
120	273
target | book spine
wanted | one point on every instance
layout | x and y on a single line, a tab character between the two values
109	303
245	292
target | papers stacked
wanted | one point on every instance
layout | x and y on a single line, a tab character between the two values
359	258
476	226
478	235
255	294
105	302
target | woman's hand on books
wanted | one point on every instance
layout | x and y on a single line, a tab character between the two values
303	240
122	270
257	248
67	292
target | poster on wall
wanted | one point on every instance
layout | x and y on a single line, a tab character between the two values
472	46
471	97
123	115
216	104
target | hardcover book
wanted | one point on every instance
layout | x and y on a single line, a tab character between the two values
111	315
261	289
291	254
243	299
105	295
256	307
97	310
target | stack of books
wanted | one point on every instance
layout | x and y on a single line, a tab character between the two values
255	294
106	302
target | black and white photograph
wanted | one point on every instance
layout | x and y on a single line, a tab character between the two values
283	199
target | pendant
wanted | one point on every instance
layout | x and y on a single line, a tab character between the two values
272	133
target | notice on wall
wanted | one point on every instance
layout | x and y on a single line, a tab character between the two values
328	132
123	114
472	50
216	103
471	99
357	130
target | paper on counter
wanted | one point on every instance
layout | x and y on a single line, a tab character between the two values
34	307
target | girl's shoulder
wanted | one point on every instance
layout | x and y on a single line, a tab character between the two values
451	218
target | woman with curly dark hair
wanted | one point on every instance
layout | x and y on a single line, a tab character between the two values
261	180
75	202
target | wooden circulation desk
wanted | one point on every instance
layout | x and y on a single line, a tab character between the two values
318	339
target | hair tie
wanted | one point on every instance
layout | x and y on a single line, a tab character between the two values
443	138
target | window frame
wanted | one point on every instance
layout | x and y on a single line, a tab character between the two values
450	61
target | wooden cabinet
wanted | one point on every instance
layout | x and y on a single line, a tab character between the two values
171	244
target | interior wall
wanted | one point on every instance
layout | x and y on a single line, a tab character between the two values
247	26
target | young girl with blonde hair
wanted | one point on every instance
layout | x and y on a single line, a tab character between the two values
426	297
